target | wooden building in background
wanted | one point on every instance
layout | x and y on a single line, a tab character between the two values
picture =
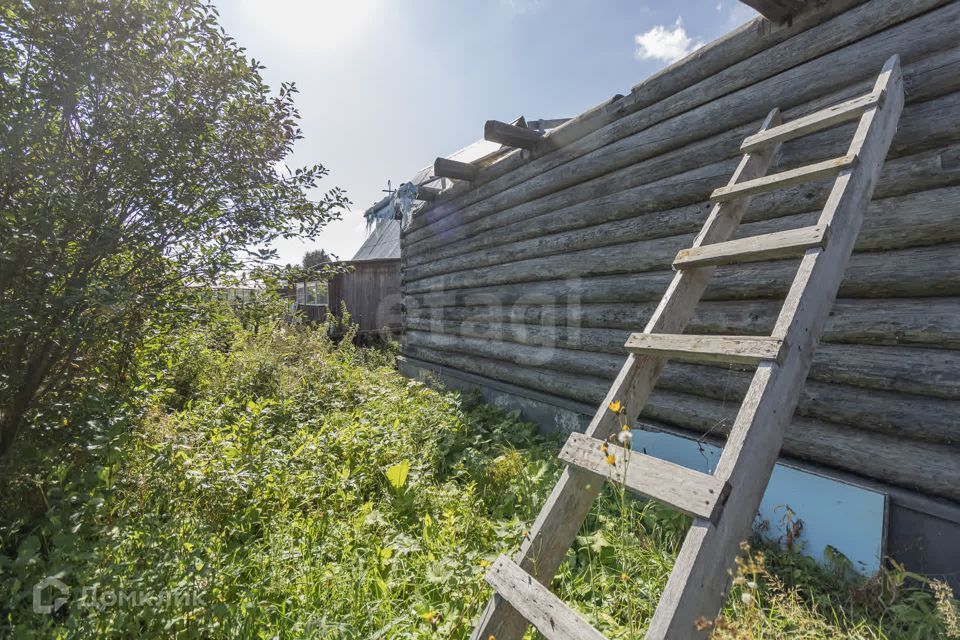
370	289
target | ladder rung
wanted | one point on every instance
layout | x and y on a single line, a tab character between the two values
533	601
770	246
694	493
818	121
784	179
726	349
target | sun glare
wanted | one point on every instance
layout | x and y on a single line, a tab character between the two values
325	26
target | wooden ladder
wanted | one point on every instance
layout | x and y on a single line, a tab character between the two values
724	504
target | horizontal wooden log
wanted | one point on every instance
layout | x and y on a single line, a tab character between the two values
547	381
600	365
884	229
511	135
891	321
446	168
928	372
691	492
895	413
763	69
631	142
917	272
904	415
683	177
914	465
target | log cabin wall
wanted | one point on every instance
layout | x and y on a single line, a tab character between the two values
532	275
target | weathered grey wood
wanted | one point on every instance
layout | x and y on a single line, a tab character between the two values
446	168
772	246
533	601
643	255
549	381
929	32
427	194
604	326
728	349
658	252
371	292
924	125
809	173
542	124
700	578
922	271
645	211
929	467
816	121
891	412
691	492
511	135
886	456
903	369
556	525
931	76
840	31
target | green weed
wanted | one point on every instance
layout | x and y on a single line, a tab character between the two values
281	486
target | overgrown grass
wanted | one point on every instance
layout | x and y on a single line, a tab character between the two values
278	486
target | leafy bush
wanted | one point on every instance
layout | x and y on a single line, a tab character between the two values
140	149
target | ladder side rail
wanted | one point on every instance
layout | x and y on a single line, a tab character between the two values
698	584
567	507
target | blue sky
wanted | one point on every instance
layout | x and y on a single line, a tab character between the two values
387	85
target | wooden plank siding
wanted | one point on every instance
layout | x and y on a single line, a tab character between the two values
537	272
371	292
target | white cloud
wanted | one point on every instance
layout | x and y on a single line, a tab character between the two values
664	43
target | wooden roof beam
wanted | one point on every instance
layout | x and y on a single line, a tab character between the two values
511	135
427	194
447	168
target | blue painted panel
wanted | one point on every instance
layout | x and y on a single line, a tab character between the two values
834	513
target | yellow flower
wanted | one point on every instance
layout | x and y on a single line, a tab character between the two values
611	459
616	406
624	577
625	427
603	448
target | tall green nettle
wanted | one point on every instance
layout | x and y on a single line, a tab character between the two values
138	151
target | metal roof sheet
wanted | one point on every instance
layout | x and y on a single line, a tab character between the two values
382	244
